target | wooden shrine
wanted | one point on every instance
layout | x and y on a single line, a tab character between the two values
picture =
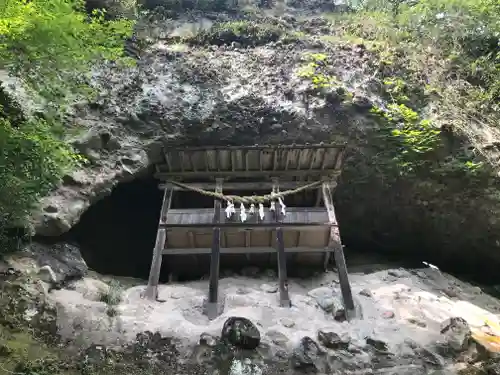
250	223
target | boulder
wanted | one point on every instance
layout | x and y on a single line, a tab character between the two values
208	340
241	332
324	298
457	333
331	340
307	355
62	261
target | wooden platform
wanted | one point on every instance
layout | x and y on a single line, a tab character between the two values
203	218
241	241
308	231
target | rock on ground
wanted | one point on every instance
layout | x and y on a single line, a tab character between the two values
427	328
415	297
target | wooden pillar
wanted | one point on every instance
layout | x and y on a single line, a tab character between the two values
154	273
338	252
282	275
213	289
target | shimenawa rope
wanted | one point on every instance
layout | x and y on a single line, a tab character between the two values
255	199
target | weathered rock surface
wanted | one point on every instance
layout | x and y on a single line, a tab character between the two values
188	94
457	333
65	260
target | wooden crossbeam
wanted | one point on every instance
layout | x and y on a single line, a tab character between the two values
298	217
154	273
242	250
213	290
280	242
338	252
242	186
247	174
247	225
340	145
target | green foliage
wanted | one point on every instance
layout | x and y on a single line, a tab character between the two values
112	297
411	138
396	88
32	160
39	366
317	71
51	45
115	9
441	53
246	33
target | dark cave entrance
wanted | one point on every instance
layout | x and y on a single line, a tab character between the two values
117	234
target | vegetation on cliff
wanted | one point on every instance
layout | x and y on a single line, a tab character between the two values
439	55
49	47
425	184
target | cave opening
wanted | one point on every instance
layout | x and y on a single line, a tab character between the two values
421	248
116	235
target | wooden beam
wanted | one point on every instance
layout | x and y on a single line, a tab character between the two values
331	173
299	217
283	282
243	250
338	253
256	226
243	186
260	147
213	289
154	273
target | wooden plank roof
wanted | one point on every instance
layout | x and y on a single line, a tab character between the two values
252	161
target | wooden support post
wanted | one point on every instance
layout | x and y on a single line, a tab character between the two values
161	236
338	252
213	289
283	282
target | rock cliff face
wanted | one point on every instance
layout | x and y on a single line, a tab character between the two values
214	79
215	94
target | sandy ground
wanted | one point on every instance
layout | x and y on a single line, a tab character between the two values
403	305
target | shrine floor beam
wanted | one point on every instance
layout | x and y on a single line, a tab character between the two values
161	236
248	225
213	289
299	217
338	252
243	250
